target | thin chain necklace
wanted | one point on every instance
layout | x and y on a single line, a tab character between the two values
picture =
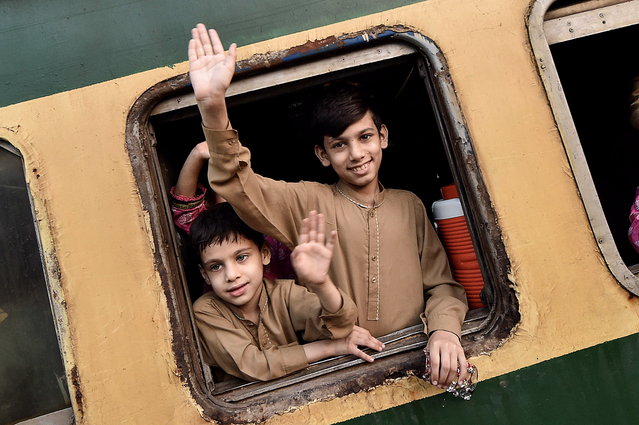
359	204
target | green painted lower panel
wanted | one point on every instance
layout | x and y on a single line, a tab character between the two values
52	46
598	385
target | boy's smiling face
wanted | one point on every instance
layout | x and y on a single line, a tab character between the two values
356	154
234	269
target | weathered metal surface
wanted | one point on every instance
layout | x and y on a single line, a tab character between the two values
591	386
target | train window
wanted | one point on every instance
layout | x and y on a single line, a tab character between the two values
430	149
586	61
33	380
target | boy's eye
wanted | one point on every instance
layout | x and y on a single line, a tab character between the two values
215	267
338	145
366	136
242	257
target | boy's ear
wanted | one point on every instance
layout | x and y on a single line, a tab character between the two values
321	154
203	273
266	254
383	136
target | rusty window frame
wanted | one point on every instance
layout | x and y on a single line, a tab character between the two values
584	19
483	331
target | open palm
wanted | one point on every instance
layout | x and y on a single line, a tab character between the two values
311	258
210	69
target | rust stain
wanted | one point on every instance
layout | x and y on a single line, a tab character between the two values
268	59
77	390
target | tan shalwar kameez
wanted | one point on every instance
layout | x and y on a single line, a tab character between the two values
388	258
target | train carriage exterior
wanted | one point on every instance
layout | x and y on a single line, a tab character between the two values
524	104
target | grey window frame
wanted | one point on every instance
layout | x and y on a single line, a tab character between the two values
572	23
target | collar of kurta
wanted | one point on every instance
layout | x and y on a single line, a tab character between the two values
351	195
262	303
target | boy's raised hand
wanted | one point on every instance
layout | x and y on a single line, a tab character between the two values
311	258
211	71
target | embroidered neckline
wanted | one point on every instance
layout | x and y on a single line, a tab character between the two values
376	280
359	204
263	310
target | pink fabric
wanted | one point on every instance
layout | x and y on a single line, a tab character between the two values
633	231
186	209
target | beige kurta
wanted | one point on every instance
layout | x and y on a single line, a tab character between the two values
388	259
270	348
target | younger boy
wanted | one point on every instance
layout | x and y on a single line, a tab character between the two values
388	257
188	198
248	324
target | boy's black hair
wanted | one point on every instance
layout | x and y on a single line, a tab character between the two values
220	224
340	105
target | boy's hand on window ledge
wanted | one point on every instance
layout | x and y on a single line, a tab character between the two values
446	359
359	337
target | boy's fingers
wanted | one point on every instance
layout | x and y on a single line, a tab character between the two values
434	366
197	43
202	36
206	43
230	59
215	39
463	366
320	228
191	51
444	369
452	369
373	343
304	231
362	355
312	233
332	239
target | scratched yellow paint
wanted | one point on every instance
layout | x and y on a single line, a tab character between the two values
111	304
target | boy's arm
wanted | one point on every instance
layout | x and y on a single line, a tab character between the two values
187	182
187	196
275	208
445	310
359	337
272	208
236	353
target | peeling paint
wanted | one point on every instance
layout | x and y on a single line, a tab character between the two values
77	394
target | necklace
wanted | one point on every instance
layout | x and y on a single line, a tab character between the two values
359	204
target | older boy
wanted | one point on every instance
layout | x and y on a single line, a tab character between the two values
388	254
248	324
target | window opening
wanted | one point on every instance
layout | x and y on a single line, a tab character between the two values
561	8
33	378
599	102
587	65
271	107
592	19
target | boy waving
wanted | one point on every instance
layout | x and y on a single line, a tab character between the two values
388	258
